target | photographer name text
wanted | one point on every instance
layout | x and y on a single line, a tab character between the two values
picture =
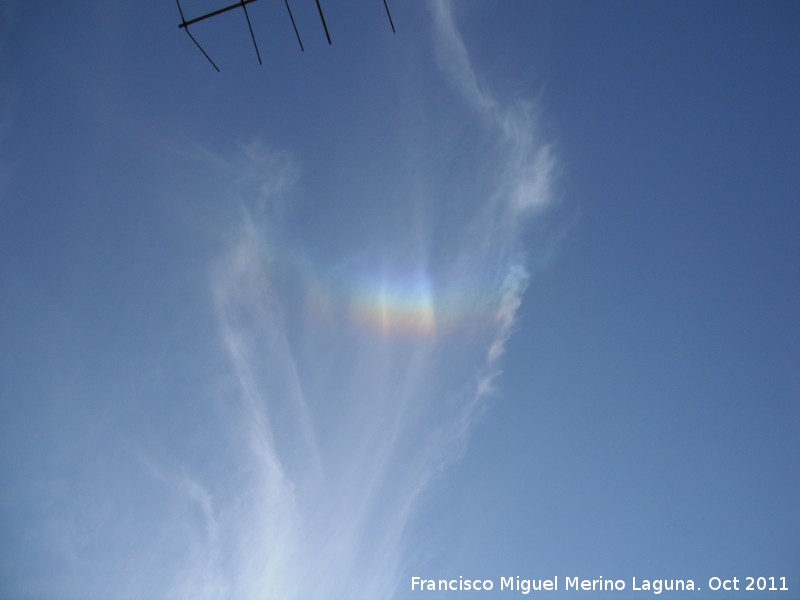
656	587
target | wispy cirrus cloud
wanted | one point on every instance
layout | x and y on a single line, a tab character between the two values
355	380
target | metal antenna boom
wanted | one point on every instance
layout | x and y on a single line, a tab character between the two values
214	13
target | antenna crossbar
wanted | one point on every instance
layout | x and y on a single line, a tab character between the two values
219	11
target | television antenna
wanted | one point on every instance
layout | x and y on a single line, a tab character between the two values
242	4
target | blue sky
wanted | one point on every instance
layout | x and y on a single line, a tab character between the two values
511	292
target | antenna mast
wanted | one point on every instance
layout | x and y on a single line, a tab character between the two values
184	24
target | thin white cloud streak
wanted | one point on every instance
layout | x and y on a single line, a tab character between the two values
523	186
339	432
526	181
6	167
7	19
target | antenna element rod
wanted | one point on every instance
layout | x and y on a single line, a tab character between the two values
297	33
389	15
252	35
325	25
